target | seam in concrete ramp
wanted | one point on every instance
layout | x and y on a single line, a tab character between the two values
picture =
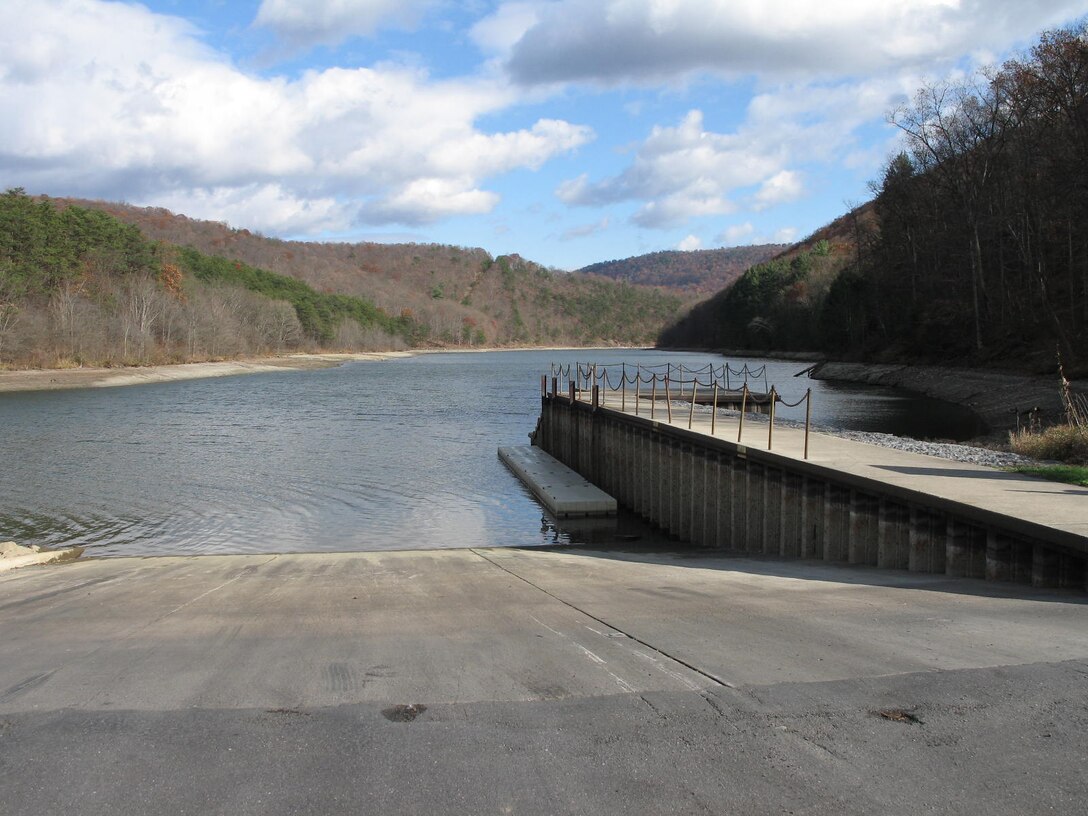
718	681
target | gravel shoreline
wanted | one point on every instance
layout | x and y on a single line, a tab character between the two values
969	454
955	451
997	397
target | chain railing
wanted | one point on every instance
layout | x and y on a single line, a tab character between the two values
708	385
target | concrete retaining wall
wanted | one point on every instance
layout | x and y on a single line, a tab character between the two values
718	494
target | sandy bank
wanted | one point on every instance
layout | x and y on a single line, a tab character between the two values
53	379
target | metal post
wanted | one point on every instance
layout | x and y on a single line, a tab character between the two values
668	399
743	408
573	391
638	388
770	425
808	417
714	414
543	385
596	396
623	392
555	386
653	398
691	413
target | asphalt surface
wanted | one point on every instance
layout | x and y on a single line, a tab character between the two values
537	682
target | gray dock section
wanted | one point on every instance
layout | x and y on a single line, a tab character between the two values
555	485
534	682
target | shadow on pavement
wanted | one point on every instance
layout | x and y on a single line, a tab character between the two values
658	549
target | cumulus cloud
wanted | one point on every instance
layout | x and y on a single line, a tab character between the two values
424	200
738	234
613	41
498	32
275	209
304	23
112	100
680	172
690	243
780	188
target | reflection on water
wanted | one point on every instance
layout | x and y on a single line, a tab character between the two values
369	456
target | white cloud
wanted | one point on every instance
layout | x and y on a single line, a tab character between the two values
785	235
738	234
585	230
276	210
613	41
780	188
499	32
421	201
680	172
690	243
304	23
114	101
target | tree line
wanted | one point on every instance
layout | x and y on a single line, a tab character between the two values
79	287
98	285
454	296
977	245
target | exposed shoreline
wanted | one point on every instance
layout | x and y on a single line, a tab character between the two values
998	397
51	379
55	379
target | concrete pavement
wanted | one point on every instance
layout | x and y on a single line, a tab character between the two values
534	681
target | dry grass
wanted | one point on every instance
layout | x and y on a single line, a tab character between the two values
1067	442
1063	443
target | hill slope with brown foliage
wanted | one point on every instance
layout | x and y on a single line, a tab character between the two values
453	295
777	304
699	273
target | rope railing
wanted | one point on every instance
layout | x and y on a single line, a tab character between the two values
669	382
614	375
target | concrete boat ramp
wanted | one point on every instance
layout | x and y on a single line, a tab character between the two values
535	682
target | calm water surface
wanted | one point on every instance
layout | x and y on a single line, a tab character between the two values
369	456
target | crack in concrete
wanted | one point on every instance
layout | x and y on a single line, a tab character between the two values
717	681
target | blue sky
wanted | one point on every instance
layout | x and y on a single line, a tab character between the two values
569	131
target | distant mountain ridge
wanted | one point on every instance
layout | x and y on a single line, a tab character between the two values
699	272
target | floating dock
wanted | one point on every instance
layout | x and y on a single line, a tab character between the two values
558	488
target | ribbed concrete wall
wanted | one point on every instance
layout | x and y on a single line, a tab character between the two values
718	494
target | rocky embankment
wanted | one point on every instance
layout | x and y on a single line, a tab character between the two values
997	397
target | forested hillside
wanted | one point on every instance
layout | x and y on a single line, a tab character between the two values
452	295
975	248
701	272
80	287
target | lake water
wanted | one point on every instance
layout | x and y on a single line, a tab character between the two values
387	455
